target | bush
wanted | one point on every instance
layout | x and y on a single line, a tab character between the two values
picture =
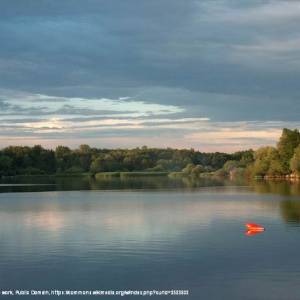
32	171
197	170
75	169
230	165
193	170
220	173
188	169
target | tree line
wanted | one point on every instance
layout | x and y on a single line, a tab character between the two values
284	159
23	160
278	161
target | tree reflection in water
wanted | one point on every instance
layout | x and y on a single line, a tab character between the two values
289	209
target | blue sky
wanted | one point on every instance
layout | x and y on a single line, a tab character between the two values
213	75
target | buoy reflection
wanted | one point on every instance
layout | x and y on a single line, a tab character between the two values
253	232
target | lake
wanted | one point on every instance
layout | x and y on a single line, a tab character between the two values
150	234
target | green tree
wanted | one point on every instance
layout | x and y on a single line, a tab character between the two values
188	169
276	168
230	165
41	159
98	165
295	161
289	140
64	158
85	157
247	158
268	162
85	149
5	165
197	170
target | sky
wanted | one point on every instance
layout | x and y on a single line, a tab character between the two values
204	74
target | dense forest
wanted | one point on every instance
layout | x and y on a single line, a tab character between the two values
279	161
282	160
17	160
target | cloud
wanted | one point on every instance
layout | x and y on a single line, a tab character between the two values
134	67
26	103
190	48
126	122
266	12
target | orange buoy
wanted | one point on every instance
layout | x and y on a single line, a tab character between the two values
254	227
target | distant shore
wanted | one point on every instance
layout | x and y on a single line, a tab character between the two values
291	177
101	175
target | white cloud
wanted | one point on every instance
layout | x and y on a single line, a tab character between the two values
269	12
125	123
52	105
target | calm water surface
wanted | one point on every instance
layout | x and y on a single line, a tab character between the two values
149	234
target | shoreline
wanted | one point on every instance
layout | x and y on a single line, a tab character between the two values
291	177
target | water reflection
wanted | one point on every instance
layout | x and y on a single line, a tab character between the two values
281	187
116	211
52	183
253	232
179	238
289	207
290	211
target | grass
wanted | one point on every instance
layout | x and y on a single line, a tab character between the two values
67	174
128	174
182	174
141	174
176	174
107	175
48	175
